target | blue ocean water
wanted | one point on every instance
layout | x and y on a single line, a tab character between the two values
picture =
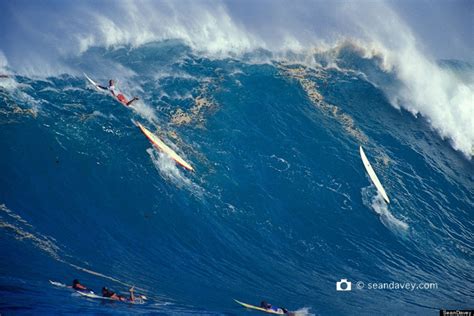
279	208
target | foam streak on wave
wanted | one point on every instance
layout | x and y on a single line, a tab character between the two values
168	170
378	204
22	230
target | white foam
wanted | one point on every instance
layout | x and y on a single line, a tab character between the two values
378	205
304	311
278	163
294	33
427	89
144	111
168	170
7	83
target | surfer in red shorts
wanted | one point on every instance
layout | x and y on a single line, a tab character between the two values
119	96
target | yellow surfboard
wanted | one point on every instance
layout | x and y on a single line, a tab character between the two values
164	148
270	311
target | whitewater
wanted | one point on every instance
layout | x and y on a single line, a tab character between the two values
270	109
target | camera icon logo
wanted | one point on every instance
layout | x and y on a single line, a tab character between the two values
343	285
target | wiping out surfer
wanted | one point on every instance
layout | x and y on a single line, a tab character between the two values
112	295
118	95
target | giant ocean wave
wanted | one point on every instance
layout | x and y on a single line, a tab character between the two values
280	206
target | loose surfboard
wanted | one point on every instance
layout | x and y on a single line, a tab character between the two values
372	175
164	148
270	311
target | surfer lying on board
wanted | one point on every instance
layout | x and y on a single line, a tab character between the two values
119	96
76	285
108	293
268	306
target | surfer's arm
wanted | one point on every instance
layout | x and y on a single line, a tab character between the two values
132	296
101	87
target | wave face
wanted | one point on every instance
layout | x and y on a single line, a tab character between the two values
279	207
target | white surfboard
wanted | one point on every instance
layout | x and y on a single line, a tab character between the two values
138	299
372	175
92	82
93	295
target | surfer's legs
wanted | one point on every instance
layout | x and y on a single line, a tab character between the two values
134	99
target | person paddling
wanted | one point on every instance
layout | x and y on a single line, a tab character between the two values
76	285
118	95
112	295
268	306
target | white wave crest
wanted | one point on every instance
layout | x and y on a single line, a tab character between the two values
443	98
225	28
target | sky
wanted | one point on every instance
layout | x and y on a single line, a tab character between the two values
445	27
